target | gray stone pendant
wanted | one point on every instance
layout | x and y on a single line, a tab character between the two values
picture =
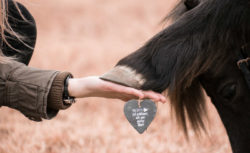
140	116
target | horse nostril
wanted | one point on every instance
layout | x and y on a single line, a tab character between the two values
124	75
190	4
228	91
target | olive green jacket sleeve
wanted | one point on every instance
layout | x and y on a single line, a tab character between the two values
35	93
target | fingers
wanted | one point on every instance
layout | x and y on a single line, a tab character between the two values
127	93
133	92
154	96
123	90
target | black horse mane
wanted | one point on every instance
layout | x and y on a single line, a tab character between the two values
226	31
205	34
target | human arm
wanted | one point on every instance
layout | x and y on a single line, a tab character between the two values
27	89
93	86
39	93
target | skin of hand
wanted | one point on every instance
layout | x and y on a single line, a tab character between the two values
93	86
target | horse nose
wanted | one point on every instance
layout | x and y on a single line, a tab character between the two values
124	75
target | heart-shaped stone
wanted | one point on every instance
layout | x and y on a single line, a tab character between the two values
140	116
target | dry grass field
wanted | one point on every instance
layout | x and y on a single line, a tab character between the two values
88	37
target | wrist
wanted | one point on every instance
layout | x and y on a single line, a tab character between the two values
81	87
72	85
76	87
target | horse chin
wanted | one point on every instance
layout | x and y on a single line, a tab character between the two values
124	75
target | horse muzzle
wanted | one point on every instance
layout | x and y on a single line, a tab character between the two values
124	75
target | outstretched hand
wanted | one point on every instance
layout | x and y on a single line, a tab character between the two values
95	87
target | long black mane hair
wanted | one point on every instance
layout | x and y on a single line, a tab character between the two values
204	35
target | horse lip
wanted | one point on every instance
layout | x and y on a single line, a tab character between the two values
124	75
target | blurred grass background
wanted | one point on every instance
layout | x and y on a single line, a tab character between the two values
88	37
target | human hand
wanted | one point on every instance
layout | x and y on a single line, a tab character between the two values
95	87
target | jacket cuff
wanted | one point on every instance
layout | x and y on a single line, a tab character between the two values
55	97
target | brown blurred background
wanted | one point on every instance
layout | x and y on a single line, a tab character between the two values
88	37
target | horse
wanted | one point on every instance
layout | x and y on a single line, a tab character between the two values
207	46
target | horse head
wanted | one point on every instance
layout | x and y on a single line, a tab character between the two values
200	50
